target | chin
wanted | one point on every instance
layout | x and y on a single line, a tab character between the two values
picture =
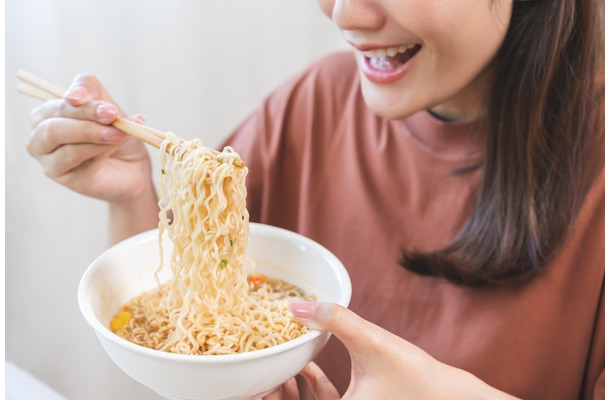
390	103
390	109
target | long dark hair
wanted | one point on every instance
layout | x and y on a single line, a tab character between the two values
544	147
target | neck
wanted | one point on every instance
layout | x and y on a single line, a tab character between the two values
449	116
469	103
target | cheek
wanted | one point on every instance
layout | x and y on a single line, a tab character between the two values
327	7
459	53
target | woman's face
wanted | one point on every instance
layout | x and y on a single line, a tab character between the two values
423	54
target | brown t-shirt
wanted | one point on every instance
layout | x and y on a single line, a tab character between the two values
322	164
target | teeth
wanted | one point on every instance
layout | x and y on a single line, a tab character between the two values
388	51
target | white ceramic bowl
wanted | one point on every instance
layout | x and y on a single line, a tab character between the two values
127	269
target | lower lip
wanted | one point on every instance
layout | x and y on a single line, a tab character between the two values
383	76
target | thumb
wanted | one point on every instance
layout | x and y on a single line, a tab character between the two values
355	332
84	88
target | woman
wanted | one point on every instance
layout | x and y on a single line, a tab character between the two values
456	168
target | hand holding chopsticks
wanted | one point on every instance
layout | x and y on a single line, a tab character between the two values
43	90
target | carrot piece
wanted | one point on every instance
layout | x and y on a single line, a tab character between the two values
257	280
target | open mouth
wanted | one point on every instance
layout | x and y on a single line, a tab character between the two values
391	57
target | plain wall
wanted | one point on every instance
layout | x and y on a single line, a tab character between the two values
197	68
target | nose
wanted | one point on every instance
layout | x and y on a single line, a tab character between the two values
357	15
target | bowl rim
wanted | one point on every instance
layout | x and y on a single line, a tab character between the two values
102	330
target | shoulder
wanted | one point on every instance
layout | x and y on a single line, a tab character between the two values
331	77
313	102
306	105
337	68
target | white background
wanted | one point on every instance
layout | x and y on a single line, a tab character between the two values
195	67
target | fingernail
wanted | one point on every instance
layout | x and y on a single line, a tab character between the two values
76	93
303	309
106	112
138	118
112	134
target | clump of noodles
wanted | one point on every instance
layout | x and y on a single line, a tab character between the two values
209	306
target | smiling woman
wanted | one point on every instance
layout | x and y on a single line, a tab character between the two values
468	209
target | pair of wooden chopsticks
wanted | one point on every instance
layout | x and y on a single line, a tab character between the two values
40	89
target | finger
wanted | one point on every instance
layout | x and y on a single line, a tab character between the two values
98	111
137	118
58	164
319	383
275	395
290	390
53	133
85	88
356	333
287	391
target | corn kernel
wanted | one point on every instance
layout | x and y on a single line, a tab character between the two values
120	320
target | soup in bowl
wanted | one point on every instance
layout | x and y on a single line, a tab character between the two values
127	269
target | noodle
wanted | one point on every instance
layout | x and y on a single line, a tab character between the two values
210	305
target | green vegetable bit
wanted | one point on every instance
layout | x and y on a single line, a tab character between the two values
223	264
